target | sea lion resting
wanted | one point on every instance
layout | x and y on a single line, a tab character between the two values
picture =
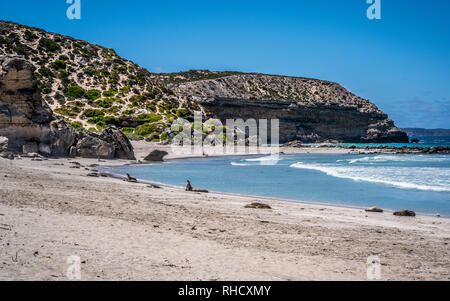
130	179
190	188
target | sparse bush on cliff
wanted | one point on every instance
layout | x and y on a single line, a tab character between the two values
164	136
182	113
109	93
93	113
149	118
48	45
145	130
93	94
76	125
59	64
29	36
74	91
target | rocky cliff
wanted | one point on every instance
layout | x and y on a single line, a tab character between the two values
30	126
92	88
309	110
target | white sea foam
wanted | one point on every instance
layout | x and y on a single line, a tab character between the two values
264	159
432	179
241	164
396	158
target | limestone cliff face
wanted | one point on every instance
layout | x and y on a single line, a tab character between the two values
30	126
23	117
309	110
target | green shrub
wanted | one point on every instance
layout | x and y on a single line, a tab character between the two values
91	71
93	113
127	130
45	72
74	91
93	94
76	125
59	64
164	136
149	117
109	93
29	36
124	90
48	44
105	103
111	120
101	125
95	120
182	112
145	130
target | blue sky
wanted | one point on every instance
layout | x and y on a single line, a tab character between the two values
400	62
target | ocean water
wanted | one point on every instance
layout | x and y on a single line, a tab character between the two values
417	182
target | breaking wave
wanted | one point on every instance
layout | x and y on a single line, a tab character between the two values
431	179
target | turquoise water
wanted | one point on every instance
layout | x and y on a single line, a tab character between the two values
416	182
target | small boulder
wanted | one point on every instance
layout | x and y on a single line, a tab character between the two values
405	213
374	209
156	155
30	147
258	206
44	149
7	155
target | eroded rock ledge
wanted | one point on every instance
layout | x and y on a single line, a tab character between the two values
309	110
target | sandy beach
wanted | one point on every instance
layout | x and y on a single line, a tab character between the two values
51	209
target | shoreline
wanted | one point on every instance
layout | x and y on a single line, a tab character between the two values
51	209
267	198
285	151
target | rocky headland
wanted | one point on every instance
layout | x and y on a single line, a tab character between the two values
92	87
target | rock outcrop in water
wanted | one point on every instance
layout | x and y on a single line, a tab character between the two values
30	126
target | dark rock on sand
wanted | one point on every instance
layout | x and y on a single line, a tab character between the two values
258	206
110	144
3	144
156	155
405	213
